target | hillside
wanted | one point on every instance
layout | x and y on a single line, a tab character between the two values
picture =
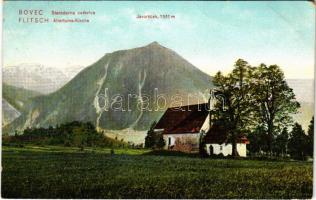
111	91
14	101
9	113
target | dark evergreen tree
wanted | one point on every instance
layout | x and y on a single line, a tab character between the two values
202	145
281	143
150	138
160	141
257	142
154	140
310	134
298	143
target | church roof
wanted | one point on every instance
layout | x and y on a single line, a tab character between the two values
184	119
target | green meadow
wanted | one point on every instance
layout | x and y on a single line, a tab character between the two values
65	172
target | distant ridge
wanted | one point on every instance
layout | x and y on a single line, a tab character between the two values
38	77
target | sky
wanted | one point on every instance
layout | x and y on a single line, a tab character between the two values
210	35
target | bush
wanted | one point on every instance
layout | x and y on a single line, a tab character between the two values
154	140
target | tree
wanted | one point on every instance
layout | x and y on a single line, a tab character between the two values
298	143
310	135
274	101
80	138
154	140
281	143
255	97
202	145
234	87
257	141
160	141
150	138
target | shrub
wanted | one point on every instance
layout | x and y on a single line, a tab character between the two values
153	139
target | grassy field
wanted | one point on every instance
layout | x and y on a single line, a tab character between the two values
59	172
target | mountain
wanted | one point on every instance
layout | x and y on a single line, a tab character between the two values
14	101
37	77
152	77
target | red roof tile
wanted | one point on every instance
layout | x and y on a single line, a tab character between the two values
184	119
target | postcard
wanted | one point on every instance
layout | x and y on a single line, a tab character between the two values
158	99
